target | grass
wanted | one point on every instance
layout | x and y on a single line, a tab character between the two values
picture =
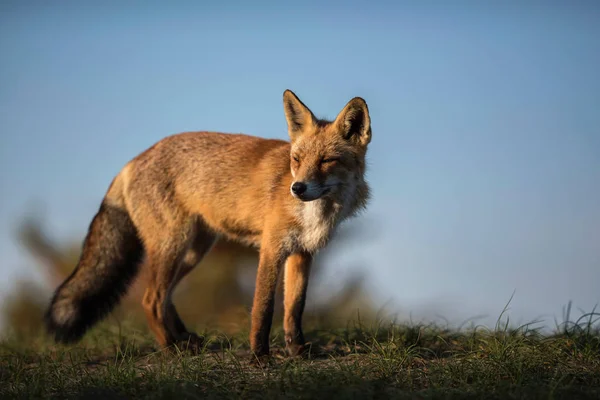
358	361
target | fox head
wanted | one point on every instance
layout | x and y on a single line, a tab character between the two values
327	158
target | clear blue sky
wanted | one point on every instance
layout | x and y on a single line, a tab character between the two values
485	159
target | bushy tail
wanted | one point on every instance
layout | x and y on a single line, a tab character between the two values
110	260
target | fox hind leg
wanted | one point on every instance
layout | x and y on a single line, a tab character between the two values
204	240
170	255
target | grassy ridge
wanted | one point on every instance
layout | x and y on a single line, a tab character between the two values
378	361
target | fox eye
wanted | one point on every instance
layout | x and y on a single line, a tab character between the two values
329	160
296	158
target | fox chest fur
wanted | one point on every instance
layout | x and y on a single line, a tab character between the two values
317	222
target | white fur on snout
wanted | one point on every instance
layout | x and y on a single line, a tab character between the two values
313	190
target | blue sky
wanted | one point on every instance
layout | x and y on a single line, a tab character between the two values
485	159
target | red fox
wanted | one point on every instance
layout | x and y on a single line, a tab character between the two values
166	208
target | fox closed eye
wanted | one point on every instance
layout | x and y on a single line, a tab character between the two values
329	160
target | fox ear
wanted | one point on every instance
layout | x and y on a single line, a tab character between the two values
354	122
298	116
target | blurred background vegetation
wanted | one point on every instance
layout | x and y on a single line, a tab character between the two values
216	295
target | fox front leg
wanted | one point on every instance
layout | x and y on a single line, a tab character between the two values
269	265
297	270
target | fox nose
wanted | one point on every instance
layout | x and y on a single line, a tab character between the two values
298	188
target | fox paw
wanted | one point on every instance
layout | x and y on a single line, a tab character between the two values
260	360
